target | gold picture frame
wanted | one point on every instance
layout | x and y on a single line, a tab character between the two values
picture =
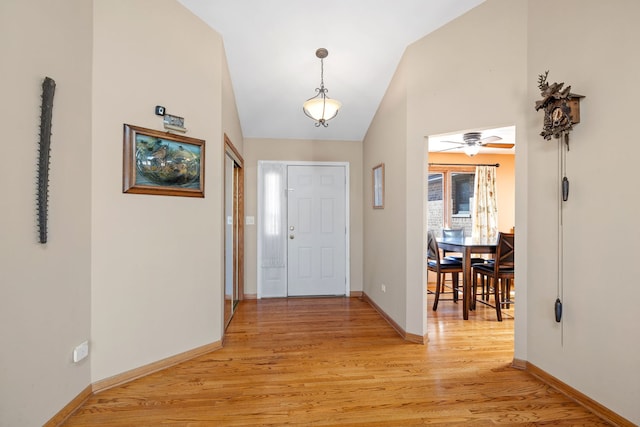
378	186
162	163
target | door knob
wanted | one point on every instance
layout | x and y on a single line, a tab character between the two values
291	236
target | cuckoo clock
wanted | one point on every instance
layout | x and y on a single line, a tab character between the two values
561	108
561	111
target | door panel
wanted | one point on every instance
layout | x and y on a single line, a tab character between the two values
304	264
327	261
229	249
233	230
303	214
317	230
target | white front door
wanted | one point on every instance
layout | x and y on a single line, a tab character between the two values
316	230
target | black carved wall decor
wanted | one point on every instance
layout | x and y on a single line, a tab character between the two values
48	89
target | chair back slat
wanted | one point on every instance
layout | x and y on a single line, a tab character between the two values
505	252
433	252
453	233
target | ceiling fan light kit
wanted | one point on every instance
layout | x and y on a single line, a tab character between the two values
321	108
472	142
471	150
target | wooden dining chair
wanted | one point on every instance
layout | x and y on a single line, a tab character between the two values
441	267
499	273
452	233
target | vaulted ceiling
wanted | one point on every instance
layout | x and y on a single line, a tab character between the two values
271	44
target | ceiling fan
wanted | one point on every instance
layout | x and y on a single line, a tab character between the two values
473	141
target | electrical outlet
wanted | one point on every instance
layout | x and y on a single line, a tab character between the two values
383	287
80	352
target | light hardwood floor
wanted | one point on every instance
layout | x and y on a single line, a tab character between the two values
335	361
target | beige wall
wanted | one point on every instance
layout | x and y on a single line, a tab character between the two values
596	349
430	94
473	74
461	77
138	276
230	121
104	274
303	150
505	181
45	288
385	230
157	261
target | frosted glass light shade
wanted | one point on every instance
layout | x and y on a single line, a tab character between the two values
471	150
321	109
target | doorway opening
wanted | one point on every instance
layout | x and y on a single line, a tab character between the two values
450	188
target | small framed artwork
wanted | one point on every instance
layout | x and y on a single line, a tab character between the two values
378	186
162	163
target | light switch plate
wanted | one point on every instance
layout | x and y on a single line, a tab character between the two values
80	352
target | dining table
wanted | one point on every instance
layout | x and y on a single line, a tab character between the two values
467	246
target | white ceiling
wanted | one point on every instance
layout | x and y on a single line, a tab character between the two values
270	46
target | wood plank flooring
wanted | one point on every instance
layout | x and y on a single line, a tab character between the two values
336	362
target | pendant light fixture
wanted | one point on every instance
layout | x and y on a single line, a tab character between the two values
321	108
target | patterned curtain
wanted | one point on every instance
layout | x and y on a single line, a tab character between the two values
485	206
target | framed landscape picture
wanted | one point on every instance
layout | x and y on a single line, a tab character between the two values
162	163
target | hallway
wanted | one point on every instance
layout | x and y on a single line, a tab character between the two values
335	361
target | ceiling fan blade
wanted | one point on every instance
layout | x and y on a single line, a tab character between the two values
455	142
485	141
448	149
498	145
